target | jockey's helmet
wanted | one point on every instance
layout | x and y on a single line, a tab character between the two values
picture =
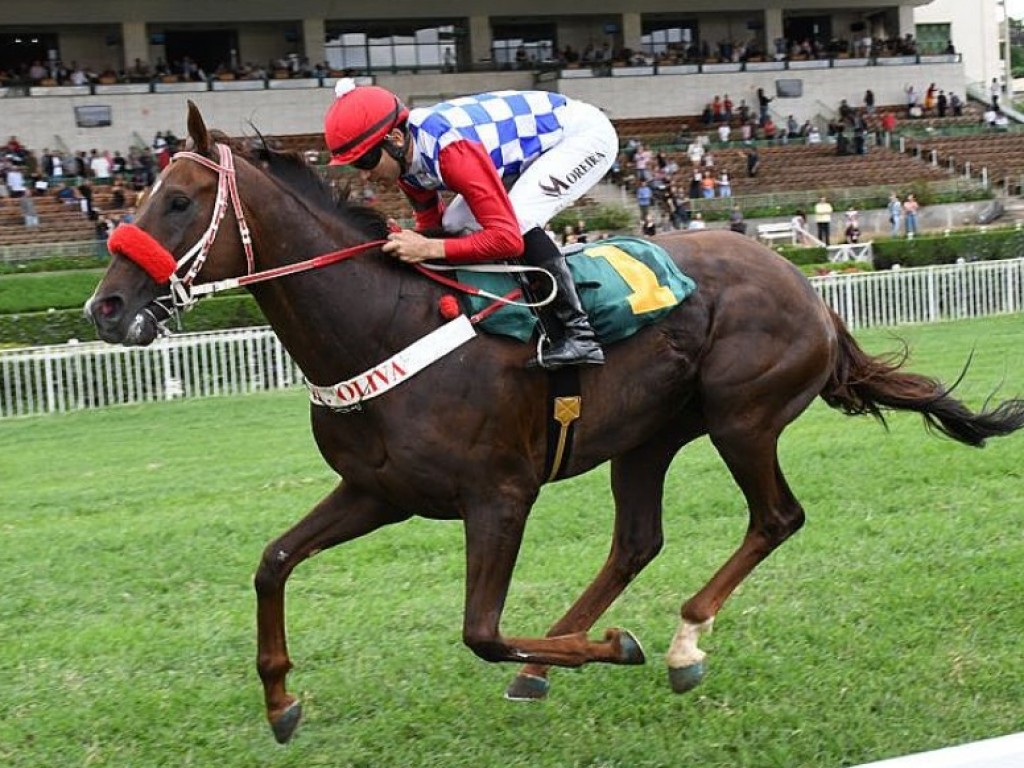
359	119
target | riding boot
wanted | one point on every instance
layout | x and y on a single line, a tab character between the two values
577	345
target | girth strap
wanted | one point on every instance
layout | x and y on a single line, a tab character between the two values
565	403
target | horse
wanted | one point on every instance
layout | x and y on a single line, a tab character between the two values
464	437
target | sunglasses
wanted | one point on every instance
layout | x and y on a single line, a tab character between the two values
368	160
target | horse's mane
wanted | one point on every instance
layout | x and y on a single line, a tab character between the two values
291	169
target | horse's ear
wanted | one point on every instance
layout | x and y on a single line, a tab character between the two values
201	142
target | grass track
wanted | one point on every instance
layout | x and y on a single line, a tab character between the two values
891	623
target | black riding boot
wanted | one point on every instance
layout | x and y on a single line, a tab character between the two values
578	345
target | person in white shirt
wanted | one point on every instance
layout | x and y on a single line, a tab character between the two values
15	181
100	166
695	152
697	222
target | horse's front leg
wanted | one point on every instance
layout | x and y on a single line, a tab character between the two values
343	515
494	532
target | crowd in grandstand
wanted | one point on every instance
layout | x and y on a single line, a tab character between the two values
186	69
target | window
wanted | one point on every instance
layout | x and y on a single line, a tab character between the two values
369	46
522	46
661	37
932	38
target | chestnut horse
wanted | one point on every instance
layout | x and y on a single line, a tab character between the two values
465	438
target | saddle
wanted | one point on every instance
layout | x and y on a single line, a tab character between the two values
624	283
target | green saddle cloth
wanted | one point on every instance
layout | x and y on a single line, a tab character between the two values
624	283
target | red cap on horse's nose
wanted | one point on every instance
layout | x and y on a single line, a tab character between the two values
140	247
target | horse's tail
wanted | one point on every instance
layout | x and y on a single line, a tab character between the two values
860	383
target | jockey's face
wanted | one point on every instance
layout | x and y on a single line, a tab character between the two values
387	170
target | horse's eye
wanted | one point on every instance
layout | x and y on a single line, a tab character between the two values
180	203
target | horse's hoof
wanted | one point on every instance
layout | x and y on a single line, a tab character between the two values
284	725
527	688
632	651
686	678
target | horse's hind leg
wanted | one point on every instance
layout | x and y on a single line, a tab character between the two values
343	515
637	484
775	515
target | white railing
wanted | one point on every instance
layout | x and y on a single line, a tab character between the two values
73	377
925	294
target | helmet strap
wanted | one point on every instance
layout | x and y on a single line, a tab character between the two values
398	153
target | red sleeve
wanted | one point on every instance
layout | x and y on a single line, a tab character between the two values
467	170
426	204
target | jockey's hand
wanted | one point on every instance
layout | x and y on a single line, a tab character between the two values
412	247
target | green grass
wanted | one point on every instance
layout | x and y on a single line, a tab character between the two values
39	291
891	623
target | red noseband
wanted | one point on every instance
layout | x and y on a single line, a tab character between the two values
140	247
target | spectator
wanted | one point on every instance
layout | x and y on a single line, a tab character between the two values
85	199
889	122
707	186
644	196
649	228
580	230
15	180
823	218
942	103
895	208
117	196
792	127
994	91
763	101
736	222
869	101
851	234
910	208
724	185
697	221
67	194
799	225
753	162
99	166
956	105
685	212
695	184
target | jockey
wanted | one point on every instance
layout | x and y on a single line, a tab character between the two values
548	149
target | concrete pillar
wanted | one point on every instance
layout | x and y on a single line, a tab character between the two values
134	43
314	35
906	20
479	40
773	29
631	31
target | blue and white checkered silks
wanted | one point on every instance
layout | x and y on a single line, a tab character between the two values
514	127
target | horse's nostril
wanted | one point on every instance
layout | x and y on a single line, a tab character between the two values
107	307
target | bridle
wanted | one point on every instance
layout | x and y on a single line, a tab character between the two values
138	246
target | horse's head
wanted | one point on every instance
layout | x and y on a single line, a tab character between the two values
156	261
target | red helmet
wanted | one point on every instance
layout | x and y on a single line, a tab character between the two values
359	119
